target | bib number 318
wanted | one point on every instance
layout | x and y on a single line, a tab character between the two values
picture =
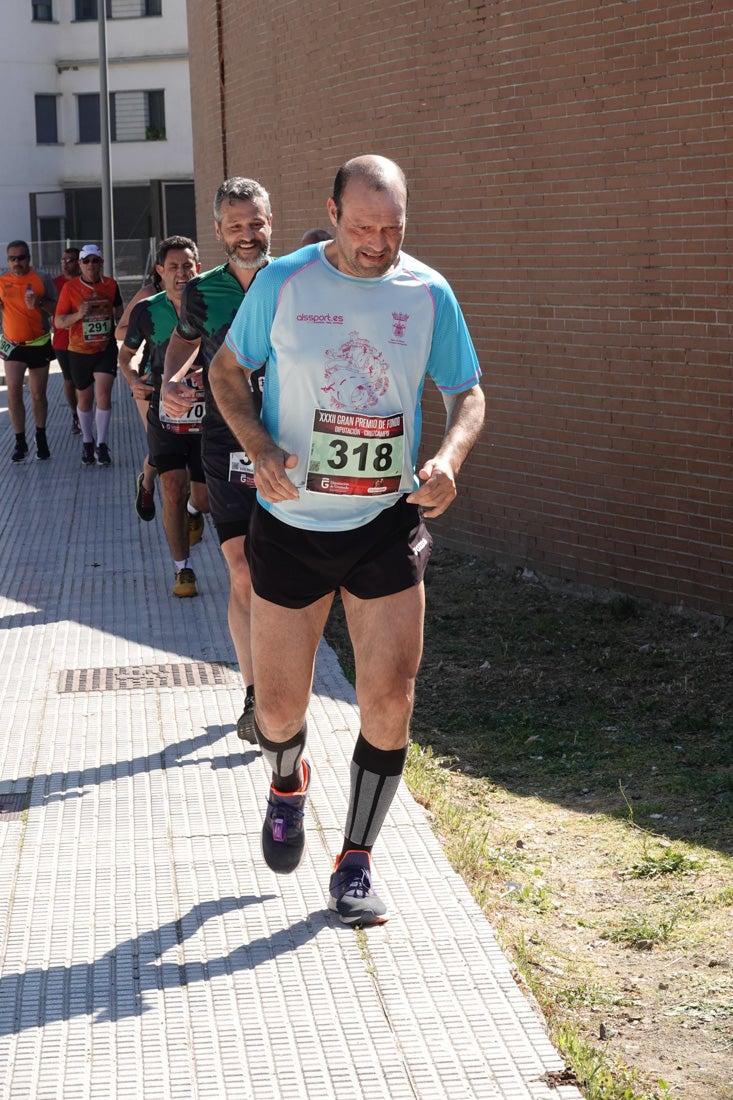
355	455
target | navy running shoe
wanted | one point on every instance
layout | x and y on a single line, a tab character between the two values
42	450
103	456
283	833
19	451
350	891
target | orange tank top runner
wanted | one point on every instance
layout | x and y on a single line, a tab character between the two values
94	331
20	324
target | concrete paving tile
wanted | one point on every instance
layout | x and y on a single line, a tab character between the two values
145	948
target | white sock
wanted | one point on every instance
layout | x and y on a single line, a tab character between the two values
179	565
86	420
103	418
190	508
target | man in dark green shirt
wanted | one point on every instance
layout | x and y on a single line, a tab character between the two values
243	224
174	444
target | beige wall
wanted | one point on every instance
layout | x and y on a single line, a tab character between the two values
570	172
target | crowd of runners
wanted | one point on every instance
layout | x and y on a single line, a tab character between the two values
283	399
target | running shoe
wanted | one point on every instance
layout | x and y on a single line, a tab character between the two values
42	450
246	722
195	528
283	833
185	584
104	458
87	454
144	501
19	451
350	891
75	425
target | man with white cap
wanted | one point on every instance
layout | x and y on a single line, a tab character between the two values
89	307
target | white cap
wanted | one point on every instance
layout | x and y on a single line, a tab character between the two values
90	250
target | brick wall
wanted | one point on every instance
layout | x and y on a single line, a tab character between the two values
206	120
569	164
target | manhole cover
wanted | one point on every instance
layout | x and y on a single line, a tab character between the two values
139	677
12	806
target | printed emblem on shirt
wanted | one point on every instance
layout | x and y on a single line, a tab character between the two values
399	327
356	375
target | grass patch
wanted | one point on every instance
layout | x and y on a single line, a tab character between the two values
602	1078
672	861
642	931
575	757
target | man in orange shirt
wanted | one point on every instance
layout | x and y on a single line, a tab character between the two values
27	299
90	307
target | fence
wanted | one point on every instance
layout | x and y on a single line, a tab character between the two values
134	259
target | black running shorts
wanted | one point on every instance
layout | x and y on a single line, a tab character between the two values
230	502
173	450
293	568
83	366
62	358
31	355
230	507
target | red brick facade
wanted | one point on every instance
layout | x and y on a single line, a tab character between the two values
570	167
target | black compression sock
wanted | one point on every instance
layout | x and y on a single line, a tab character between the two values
375	777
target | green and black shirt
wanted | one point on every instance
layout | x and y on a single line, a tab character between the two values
208	307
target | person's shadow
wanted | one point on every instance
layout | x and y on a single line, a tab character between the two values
41	790
113	987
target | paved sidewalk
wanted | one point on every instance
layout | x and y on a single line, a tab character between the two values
146	950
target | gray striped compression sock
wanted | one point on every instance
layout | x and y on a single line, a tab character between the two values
284	759
375	777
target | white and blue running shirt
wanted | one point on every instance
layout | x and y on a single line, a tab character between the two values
346	360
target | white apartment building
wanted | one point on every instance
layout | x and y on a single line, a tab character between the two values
51	163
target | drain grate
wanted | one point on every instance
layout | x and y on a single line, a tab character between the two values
13	805
139	677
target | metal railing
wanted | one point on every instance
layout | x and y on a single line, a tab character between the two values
134	259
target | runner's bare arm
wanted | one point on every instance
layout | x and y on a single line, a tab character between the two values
438	474
230	385
179	359
66	320
47	304
141	391
49	299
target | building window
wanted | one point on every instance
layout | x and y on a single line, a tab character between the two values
42	13
132	9
47	130
85	10
87	108
137	116
133	116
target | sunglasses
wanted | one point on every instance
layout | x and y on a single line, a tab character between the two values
91	260
69	260
17	259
